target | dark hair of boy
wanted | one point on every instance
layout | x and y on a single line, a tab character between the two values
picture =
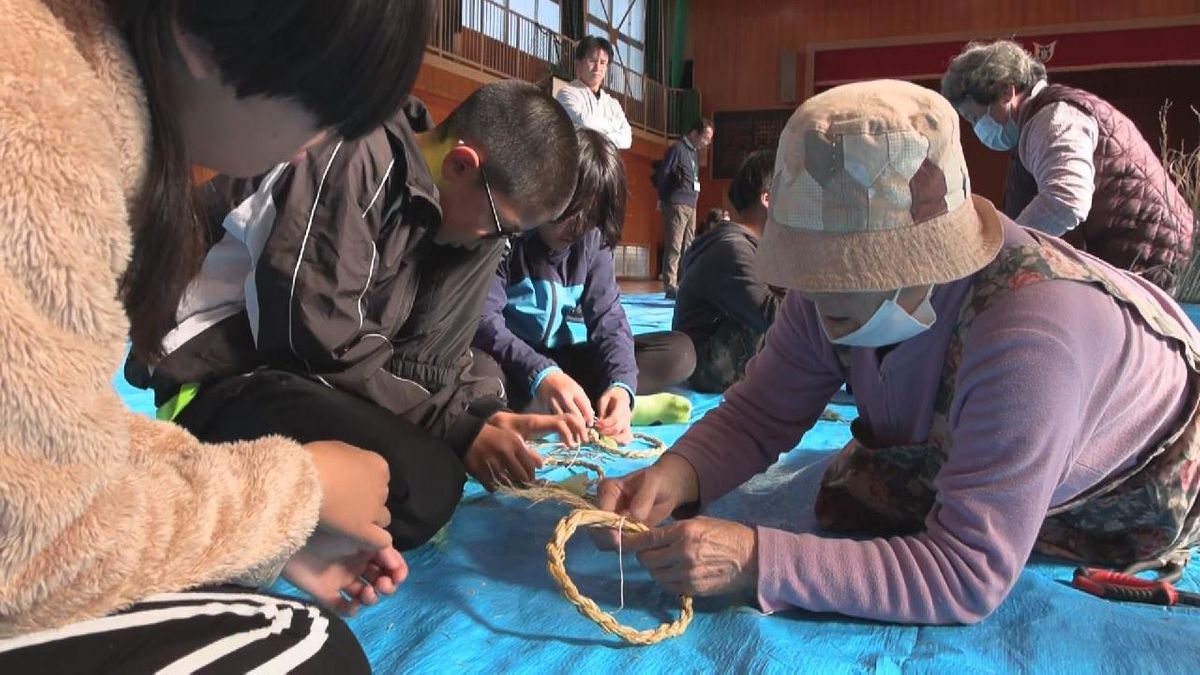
600	188
753	178
710	221
590	44
700	125
527	144
263	47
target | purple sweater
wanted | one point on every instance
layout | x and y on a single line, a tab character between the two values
1059	388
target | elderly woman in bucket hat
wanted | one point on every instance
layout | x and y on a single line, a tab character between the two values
1014	393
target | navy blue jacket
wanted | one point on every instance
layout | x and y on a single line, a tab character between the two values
524	316
678	175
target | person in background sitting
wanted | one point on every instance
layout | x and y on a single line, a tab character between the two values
524	337
714	216
722	306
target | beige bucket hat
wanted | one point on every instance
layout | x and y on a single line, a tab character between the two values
870	193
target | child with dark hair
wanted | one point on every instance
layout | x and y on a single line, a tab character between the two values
346	308
721	306
128	545
523	336
713	217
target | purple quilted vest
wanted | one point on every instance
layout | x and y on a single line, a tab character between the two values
1138	221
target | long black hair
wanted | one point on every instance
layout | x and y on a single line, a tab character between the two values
600	188
351	63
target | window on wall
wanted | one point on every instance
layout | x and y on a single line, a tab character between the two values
622	22
545	13
528	25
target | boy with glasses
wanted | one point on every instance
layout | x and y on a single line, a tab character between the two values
342	292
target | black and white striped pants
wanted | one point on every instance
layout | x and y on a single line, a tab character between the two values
220	630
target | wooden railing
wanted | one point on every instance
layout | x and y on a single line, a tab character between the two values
485	35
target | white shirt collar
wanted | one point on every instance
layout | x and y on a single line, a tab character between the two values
580	83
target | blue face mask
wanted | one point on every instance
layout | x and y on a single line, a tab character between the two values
997	137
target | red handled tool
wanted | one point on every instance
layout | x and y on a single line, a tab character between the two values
1126	587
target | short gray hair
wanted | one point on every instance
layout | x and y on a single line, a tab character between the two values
983	72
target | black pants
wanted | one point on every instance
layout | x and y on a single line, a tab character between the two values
427	478
664	359
722	356
227	629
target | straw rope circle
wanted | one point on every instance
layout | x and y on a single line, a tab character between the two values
556	551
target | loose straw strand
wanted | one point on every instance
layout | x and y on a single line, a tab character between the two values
621	559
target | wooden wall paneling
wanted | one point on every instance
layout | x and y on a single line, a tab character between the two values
735	45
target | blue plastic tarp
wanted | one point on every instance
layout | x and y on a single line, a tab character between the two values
479	598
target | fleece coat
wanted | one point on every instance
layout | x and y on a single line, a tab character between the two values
100	507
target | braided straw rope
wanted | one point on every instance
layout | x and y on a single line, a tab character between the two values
657	447
556	551
569	463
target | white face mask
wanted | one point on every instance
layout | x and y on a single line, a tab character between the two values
997	137
889	324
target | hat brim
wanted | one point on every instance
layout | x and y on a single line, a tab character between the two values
947	248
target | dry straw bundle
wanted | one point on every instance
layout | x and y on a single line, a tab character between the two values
1183	166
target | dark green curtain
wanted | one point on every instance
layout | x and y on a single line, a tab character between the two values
573	13
654	61
677	40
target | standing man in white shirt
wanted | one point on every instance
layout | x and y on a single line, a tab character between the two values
584	98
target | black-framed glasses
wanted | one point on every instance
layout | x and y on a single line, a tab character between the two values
500	232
